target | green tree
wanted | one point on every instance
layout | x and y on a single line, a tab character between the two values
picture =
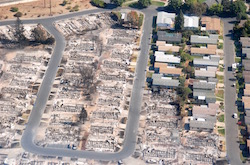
144	3
118	2
216	9
198	9
179	22
227	6
174	5
239	9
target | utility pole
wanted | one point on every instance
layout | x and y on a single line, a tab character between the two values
50	8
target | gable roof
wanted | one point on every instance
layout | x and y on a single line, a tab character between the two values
246	64
167	58
211	39
203	85
212	24
169	37
205	62
191	21
159	80
162	46
210	49
246	101
245	41
204	73
163	68
165	18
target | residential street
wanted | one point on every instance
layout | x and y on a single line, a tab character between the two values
233	151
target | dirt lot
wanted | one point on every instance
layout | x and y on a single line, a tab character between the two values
38	9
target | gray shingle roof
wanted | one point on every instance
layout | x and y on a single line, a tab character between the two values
212	39
159	80
246	51
169	37
205	62
203	85
202	92
246	64
204	73
207	124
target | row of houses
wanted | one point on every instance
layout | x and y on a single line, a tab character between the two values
167	70
167	20
245	42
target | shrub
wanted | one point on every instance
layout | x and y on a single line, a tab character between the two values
50	41
14	9
65	2
98	3
18	14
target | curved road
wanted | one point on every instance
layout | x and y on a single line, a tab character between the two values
28	137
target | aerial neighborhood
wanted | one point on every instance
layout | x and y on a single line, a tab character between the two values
124	82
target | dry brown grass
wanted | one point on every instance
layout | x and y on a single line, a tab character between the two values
37	9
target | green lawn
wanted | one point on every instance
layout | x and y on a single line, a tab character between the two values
220	78
221	37
220	94
157	3
221	69
221	131
237	59
201	1
221	118
243	159
220	46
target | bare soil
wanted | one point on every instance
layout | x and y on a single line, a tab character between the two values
41	8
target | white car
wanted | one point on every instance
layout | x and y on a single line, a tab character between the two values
235	115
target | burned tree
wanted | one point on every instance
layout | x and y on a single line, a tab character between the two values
19	33
83	115
87	73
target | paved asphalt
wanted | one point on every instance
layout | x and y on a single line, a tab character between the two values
28	137
233	151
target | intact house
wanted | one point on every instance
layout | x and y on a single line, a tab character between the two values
161	80
203	51
202	124
163	68
211	39
204	74
162	46
203	96
169	37
165	20
206	61
246	76
247	90
191	22
205	110
246	102
246	64
167	58
211	25
204	85
245	42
